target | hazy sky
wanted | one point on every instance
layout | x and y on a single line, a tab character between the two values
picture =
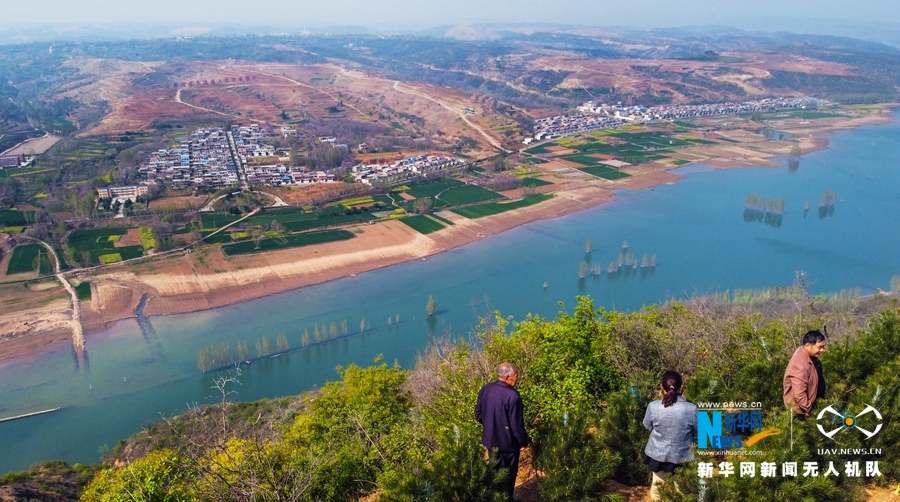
412	14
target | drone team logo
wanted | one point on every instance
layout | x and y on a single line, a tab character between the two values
849	421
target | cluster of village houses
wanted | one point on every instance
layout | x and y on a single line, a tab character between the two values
204	160
210	159
593	116
420	164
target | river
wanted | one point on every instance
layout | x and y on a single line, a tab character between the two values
135	372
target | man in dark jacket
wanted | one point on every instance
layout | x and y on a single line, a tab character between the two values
499	410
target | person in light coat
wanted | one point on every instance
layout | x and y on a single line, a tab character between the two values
672	422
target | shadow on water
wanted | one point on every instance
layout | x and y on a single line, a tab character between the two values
754	215
147	330
773	219
762	216
82	361
826	211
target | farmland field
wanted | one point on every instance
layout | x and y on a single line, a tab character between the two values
288	241
217	220
422	224
604	172
330	221
432	189
500	207
468	194
91	245
535	182
84	291
11	218
28	258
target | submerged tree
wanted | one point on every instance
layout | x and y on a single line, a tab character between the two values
431	306
583	270
794	158
588	246
281	342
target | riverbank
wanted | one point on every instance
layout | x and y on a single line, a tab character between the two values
207	279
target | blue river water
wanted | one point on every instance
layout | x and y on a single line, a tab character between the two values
696	228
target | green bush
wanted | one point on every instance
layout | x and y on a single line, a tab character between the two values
573	459
158	477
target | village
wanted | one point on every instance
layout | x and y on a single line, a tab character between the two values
215	158
601	116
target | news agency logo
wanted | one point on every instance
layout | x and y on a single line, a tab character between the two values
849	421
723	429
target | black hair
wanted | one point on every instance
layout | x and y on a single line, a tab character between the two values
671	384
814	336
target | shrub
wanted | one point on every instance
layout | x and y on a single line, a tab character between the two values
160	476
573	459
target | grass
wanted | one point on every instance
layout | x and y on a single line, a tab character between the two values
468	194
422	224
288	241
28	258
492	208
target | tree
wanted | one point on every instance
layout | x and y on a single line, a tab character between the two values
424	204
431	307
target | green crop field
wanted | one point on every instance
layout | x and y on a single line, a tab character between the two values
286	216
287	241
433	188
535	182
330	221
441	219
583	160
540	149
90	245
422	224
84	291
680	162
468	194
98	238
606	173
491	208
11	218
223	237
217	220
28	258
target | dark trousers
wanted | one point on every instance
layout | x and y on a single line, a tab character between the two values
507	460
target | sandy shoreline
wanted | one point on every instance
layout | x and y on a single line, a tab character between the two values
207	279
